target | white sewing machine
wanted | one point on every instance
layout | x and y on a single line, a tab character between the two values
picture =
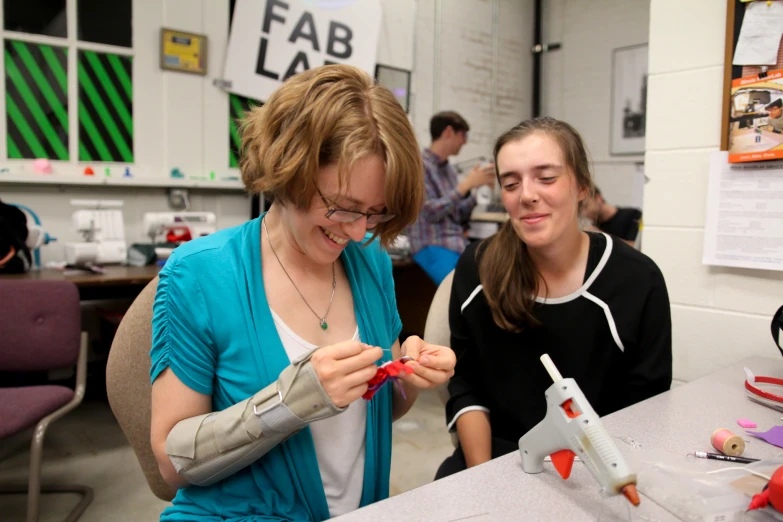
157	225
103	229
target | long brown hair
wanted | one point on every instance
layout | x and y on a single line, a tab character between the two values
507	273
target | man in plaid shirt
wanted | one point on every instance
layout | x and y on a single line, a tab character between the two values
438	236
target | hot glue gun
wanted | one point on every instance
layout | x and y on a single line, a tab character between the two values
571	427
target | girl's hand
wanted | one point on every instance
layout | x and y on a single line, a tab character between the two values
432	365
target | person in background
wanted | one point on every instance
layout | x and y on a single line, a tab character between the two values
265	335
622	222
15	257
438	236
599	308
775	118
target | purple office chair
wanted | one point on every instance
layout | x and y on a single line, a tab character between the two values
40	329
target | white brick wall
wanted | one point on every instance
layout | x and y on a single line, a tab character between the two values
406	41
455	73
577	79
719	315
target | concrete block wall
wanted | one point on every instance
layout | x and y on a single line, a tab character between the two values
719	315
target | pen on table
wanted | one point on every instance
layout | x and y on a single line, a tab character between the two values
727	458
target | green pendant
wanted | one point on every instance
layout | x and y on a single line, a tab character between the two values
324	326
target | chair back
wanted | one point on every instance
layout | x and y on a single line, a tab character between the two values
436	329
40	325
128	385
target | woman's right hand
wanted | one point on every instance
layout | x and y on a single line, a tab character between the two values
345	368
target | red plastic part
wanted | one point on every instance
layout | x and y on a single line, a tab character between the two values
764	393
772	494
569	408
178	235
759	501
563	461
776	490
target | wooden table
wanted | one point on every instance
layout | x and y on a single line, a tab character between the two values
116	282
414	290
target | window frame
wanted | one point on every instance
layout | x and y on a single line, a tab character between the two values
74	47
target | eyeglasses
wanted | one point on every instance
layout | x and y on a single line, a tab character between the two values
349	216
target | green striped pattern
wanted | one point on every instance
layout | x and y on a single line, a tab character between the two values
105	107
36	100
239	106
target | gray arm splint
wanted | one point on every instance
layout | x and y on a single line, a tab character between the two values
209	448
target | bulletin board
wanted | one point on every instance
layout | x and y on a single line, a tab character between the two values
735	14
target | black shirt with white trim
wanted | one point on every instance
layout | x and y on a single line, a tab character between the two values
624	224
613	336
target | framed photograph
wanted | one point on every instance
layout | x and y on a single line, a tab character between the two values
183	52
398	81
629	100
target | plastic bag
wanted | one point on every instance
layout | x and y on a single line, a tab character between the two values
687	490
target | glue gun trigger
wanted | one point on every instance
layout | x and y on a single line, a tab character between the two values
563	461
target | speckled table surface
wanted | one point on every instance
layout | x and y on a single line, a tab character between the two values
680	421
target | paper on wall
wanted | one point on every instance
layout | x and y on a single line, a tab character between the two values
744	226
760	34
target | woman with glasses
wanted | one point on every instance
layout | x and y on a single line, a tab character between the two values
266	335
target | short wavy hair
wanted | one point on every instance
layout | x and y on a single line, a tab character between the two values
334	114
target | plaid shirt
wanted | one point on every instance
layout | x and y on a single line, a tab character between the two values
445	212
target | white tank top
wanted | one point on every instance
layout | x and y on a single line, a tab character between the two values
339	440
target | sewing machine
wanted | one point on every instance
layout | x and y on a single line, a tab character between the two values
178	227
103	230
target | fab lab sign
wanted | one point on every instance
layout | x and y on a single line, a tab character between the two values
271	40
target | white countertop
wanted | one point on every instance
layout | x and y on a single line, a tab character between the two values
681	420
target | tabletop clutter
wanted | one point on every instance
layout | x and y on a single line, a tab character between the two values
659	477
746	484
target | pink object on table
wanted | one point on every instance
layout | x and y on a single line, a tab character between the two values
745	423
42	166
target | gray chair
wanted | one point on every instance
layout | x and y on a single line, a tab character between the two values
437	331
128	385
41	330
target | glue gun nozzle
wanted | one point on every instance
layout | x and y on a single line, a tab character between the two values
631	494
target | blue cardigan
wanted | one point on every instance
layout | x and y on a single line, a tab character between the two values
213	327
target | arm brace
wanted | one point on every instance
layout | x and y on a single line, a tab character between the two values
209	448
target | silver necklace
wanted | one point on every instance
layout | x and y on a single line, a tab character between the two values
322	320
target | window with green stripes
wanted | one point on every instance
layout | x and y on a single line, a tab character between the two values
239	105
36	100
105	107
68	97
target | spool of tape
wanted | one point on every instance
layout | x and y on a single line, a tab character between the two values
727	443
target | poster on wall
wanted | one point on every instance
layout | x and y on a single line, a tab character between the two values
744	224
184	52
271	40
629	100
756	118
